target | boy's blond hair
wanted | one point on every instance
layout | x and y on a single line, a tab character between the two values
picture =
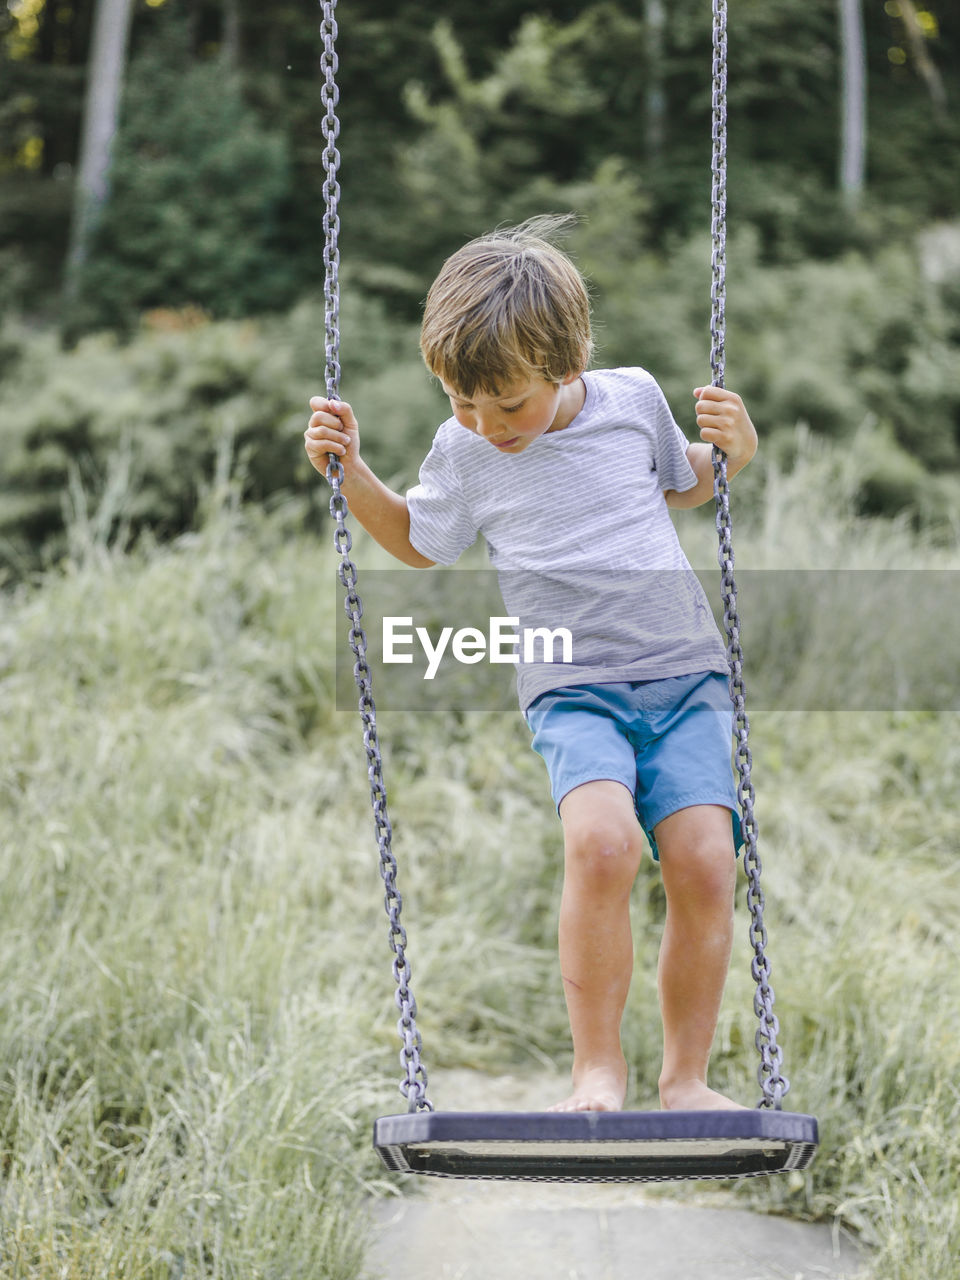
507	306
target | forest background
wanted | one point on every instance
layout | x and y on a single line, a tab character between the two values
195	1009
844	187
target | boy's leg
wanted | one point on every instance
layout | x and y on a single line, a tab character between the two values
603	846
699	875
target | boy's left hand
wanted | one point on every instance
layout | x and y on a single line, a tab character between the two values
724	421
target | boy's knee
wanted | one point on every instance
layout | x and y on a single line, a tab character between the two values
704	873
607	854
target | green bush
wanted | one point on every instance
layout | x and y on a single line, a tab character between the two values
34	216
148	420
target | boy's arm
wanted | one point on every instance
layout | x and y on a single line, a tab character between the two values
723	421
384	514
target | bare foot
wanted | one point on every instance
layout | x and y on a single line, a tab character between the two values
694	1095
601	1088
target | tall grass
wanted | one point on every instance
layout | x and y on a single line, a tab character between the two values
185	1046
196	1022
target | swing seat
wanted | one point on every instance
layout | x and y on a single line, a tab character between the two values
600	1146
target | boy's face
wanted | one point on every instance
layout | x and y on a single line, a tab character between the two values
521	413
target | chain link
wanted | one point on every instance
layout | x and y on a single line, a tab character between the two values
413	1085
772	1082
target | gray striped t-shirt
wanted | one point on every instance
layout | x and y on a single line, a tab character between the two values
579	532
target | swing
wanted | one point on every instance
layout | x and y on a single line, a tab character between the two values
608	1146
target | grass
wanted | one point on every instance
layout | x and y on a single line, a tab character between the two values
196	1024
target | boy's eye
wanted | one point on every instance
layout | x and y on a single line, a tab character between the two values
514	408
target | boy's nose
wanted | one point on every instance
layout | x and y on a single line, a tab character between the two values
487	427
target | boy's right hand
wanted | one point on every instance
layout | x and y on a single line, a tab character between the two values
332	429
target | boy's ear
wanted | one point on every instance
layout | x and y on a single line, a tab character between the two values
570	377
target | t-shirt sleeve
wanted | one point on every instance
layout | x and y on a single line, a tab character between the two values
441	526
670	455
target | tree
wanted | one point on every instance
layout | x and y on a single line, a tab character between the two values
656	103
108	53
853	100
198	186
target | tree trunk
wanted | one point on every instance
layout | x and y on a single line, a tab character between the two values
230	35
655	20
105	68
853	103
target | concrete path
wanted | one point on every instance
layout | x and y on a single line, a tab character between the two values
452	1229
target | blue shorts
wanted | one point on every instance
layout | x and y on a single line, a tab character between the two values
668	741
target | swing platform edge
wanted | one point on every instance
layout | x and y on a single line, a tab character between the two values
612	1146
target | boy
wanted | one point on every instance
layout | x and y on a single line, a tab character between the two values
569	475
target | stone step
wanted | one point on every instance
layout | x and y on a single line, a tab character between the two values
453	1229
524	1232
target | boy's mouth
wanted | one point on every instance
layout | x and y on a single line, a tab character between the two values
504	444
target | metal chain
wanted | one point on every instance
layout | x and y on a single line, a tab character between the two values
772	1082
413	1086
